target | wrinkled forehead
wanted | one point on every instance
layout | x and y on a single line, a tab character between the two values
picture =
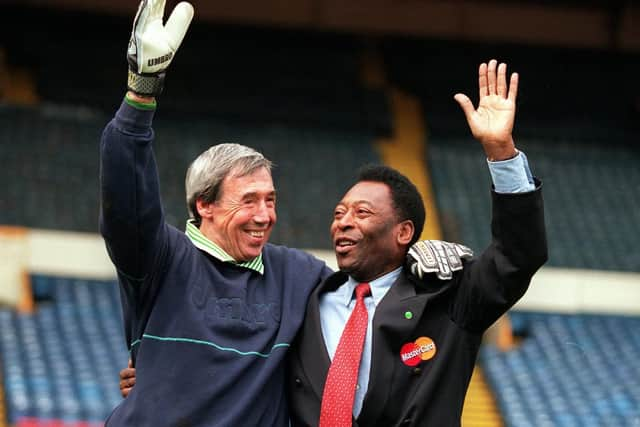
241	169
240	181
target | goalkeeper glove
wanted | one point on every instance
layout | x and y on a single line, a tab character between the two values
436	256
153	45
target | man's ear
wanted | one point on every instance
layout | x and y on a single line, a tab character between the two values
205	209
405	232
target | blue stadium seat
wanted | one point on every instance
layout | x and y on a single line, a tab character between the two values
592	222
570	370
62	362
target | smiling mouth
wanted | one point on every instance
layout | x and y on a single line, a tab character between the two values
344	245
257	234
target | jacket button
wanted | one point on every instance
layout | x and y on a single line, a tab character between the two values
406	421
298	382
417	371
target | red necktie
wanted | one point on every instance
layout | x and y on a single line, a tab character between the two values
340	387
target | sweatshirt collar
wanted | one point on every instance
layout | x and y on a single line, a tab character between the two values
201	242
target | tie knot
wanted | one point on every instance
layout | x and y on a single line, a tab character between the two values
363	290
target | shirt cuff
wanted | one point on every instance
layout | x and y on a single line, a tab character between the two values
512	176
132	120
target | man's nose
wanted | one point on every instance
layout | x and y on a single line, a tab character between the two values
262	213
345	221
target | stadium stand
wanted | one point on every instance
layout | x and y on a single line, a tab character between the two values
581	142
588	197
61	363
570	370
248	73
570	87
296	98
52	163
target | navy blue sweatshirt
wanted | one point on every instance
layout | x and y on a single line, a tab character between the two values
208	337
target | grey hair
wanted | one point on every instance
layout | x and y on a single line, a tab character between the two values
206	173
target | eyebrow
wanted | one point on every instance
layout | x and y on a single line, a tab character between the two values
357	202
256	193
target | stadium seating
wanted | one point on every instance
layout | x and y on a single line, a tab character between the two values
295	96
582	143
235	73
62	362
51	163
570	370
298	97
588	197
556	84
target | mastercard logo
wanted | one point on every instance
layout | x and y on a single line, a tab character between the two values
415	352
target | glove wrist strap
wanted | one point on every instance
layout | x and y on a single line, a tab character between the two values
145	84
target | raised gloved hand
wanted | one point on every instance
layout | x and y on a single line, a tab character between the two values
153	45
437	256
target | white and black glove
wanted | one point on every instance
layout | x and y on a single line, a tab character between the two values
153	44
437	256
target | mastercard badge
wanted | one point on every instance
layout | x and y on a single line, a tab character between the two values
415	352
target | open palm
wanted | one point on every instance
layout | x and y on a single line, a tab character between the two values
492	122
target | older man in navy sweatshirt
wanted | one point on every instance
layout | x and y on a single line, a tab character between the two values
208	314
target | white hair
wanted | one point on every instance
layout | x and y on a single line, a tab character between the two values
206	173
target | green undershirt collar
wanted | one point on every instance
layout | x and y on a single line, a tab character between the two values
201	242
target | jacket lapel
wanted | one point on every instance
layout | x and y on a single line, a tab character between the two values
313	354
396	318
